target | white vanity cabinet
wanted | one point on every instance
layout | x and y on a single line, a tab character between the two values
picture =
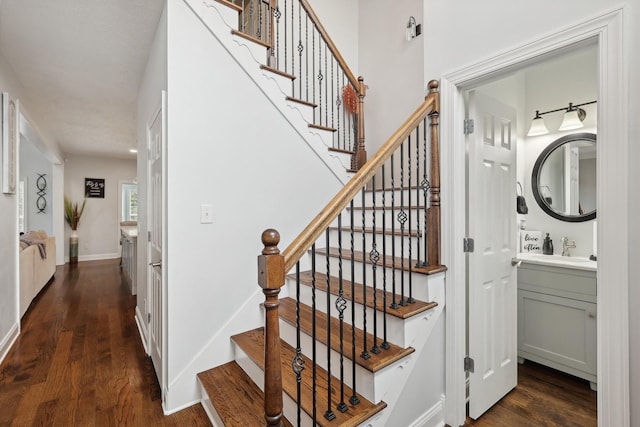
557	318
129	241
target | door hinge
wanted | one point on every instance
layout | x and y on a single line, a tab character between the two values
148	236
468	364
148	317
468	244
468	126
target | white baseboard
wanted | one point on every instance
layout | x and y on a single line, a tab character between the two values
142	329
434	417
94	257
8	340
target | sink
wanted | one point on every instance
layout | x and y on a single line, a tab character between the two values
560	258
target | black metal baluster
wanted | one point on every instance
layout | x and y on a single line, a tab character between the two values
259	32
251	14
354	398
306	56
277	14
298	361
293	57
418	233
341	305
300	49
394	304
410	299
286	39
314	366
333	94
385	343
365	353
402	218
313	62
320	78
374	257
329	412
326	89
338	104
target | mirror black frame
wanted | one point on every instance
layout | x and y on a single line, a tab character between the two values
535	177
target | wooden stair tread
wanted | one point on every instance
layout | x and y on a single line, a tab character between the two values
327	128
250	38
402	312
380	230
383	262
238	400
278	72
252	343
233	6
301	101
373	364
341	150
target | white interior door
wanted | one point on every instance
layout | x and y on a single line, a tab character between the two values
491	219
156	147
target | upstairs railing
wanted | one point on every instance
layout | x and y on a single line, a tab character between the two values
300	46
408	164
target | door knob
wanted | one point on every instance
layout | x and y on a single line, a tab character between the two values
156	264
516	262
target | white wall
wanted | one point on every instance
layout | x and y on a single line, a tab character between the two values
32	164
460	39
391	66
9	320
99	226
227	146
153	82
340	19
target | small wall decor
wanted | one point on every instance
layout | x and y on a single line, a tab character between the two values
10	124
41	185
94	188
530	241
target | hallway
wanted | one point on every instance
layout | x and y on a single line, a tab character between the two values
79	360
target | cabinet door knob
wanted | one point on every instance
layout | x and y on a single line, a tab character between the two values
591	315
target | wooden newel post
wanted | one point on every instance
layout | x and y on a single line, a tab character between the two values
361	153
433	213
271	279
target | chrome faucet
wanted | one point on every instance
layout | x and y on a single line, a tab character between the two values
566	245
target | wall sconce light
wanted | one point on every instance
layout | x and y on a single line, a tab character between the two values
413	29
573	118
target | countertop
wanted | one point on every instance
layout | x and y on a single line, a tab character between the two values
129	230
578	263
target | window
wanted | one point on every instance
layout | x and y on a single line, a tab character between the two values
129	202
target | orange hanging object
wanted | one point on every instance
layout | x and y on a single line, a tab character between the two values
350	98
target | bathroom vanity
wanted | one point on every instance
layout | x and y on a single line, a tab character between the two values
557	299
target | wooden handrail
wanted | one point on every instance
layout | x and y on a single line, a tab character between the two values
332	47
297	248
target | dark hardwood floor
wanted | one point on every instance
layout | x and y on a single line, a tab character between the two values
79	360
543	397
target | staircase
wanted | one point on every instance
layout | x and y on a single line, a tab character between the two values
233	390
351	303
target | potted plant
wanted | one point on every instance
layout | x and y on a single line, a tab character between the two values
72	214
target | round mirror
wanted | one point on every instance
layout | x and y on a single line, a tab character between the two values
564	178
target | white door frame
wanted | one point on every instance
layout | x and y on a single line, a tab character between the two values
612	207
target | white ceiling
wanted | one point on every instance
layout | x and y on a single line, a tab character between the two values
80	62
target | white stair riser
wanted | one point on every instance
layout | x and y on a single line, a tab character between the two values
306	111
418	281
390	218
388	195
228	15
257	375
368	384
395	325
387	242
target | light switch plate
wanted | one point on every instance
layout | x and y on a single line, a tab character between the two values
206	214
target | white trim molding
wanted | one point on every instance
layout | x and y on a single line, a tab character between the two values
612	206
8	340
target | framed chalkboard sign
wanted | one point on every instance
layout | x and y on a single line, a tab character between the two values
94	187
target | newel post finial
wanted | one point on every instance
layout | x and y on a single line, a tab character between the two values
271	279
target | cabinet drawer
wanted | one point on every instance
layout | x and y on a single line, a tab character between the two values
564	282
559	330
